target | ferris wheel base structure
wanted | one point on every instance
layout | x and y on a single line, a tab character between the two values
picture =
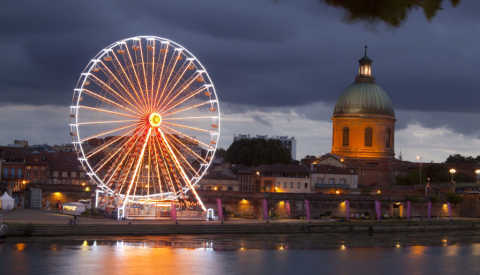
152	111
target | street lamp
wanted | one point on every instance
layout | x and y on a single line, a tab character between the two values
478	174
418	157
343	161
453	172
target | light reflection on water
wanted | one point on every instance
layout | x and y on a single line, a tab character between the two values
256	254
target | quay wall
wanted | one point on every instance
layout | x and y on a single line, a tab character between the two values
252	204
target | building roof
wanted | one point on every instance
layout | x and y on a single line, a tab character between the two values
277	168
63	161
364	98
212	175
331	169
36	159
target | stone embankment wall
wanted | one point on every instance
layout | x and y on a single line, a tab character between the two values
252	203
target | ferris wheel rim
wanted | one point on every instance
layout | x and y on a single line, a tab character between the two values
80	86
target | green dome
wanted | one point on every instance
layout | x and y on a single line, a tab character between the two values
364	98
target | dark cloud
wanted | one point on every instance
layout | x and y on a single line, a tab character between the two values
261	55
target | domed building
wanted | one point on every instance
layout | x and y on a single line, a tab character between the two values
364	118
363	138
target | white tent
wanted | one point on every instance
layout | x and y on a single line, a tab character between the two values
6	202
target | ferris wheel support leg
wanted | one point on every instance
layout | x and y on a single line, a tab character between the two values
185	177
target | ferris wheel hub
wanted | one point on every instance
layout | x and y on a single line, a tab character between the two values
155	119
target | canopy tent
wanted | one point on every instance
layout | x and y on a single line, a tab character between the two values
6	202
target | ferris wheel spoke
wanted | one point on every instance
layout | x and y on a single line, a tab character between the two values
142	69
109	132
108	101
111	154
169	71
189	127
182	172
125	77
106	144
103	122
111	91
128	147
192	117
139	161
190	138
107	111
189	166
168	107
111	76
160	69
151	70
178	76
162	105
161	158
171	164
186	108
134	76
188	149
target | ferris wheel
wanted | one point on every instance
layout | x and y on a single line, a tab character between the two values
145	121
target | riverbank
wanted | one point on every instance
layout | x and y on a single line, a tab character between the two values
36	230
50	224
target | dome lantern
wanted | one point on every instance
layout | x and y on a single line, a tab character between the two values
365	69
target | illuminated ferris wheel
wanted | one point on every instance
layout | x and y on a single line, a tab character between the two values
150	109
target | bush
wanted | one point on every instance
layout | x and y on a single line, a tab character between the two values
276	215
95	212
366	191
87	212
435	199
414	198
328	213
454	198
228	212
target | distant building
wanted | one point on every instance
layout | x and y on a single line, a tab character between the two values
289	143
219	181
23	143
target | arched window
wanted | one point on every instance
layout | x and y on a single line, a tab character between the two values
346	136
389	135
368	136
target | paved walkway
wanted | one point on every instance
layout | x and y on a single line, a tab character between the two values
36	216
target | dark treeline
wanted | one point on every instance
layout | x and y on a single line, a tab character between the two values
254	152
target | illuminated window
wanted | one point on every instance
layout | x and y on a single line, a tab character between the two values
388	137
368	136
346	136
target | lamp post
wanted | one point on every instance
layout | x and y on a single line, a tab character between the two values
343	161
478	174
419	158
453	172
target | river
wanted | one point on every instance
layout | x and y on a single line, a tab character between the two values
412	253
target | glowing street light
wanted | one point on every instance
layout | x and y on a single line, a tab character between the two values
453	172
478	174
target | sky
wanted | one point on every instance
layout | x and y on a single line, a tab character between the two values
278	66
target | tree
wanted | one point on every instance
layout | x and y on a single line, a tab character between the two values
255	152
411	179
457	158
220	153
454	198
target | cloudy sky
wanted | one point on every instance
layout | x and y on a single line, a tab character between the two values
278	66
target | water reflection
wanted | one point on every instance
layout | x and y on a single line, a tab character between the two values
419	253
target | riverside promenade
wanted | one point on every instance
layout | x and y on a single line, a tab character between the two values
32	222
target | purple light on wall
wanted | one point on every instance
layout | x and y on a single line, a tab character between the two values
288	207
173	212
449	210
377	204
307	209
265	209
220	212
